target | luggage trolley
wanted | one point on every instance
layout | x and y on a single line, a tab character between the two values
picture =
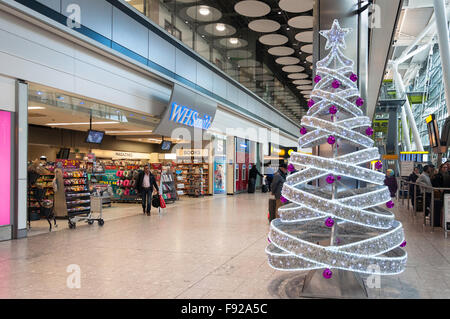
96	208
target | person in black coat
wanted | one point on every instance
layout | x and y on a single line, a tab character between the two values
252	175
413	178
146	185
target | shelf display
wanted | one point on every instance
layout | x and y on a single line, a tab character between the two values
72	195
192	179
167	185
122	181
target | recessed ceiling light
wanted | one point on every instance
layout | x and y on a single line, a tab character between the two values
234	41
80	123
220	27
127	132
39	93
36	108
204	11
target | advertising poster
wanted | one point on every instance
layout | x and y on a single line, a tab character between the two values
220	175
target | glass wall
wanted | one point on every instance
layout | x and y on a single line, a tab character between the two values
212	30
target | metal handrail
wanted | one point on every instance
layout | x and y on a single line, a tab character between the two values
424	189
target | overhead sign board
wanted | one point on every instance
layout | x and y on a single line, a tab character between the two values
186	109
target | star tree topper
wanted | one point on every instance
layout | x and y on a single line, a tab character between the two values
335	36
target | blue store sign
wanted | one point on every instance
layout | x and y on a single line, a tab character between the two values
188	116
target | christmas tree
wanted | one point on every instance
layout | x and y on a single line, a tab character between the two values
333	226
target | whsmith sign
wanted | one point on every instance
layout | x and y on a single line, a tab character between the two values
186	109
190	117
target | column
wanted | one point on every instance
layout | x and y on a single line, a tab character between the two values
412	122
443	35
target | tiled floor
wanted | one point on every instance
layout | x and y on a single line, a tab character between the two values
204	248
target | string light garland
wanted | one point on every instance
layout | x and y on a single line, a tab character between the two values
368	233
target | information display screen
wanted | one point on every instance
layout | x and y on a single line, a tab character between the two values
95	137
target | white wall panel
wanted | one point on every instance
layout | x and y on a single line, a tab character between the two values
219	86
53	4
242	102
39	57
232	93
96	15
35	52
129	33
7	94
35	34
161	52
204	77
185	66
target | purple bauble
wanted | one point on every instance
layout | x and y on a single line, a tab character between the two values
359	102
331	140
303	131
283	199
317	79
354	77
403	244
338	178
390	204
369	131
333	109
329	222
327	273
336	84
337	241
378	165
330	179
268	239
291	168
311	103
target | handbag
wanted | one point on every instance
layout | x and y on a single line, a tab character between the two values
156	201
162	203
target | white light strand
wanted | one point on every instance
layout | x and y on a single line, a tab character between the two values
368	233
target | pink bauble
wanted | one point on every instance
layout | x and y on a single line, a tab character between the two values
359	102
354	77
336	84
327	274
283	199
390	204
332	109
378	165
330	179
338	178
311	103
291	168
303	131
329	222
331	140
369	131
403	244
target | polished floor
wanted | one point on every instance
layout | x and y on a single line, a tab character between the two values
204	248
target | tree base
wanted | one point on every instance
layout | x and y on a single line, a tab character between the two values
342	285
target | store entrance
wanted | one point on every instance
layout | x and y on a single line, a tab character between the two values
83	152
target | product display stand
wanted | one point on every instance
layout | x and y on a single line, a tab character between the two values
167	185
73	196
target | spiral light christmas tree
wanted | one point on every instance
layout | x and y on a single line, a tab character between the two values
331	226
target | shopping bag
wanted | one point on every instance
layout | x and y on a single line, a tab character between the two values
156	202
162	202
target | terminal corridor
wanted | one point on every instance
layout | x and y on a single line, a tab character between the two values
208	248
